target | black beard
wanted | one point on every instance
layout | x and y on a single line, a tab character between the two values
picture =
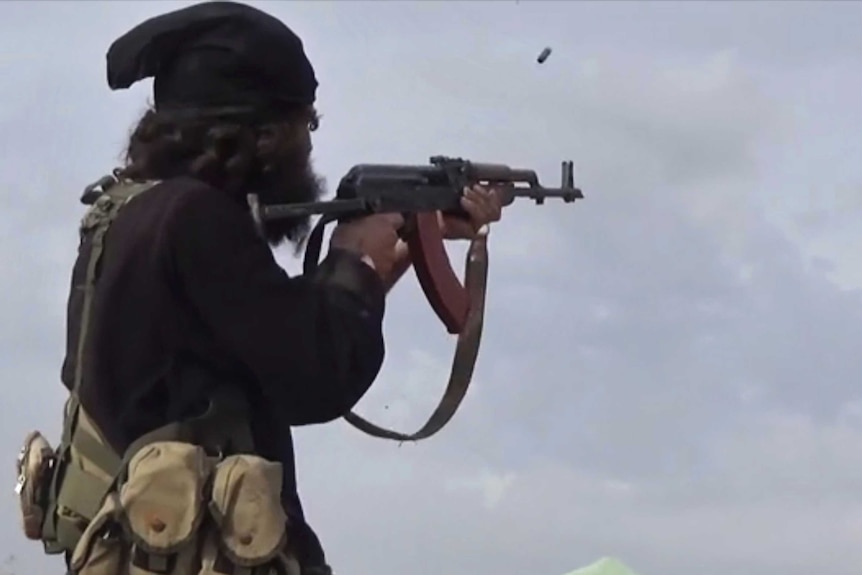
292	183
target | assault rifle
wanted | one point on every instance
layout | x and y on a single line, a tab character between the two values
420	192
378	188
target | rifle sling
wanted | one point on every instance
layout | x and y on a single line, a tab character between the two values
466	352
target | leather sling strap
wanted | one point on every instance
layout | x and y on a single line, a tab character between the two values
466	352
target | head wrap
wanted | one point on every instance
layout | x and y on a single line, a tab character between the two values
215	58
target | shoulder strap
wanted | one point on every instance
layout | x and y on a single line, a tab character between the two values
81	490
97	220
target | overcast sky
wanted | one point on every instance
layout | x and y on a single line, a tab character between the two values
670	371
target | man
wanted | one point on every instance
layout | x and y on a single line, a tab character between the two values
189	299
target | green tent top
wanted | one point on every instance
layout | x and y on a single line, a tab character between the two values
604	566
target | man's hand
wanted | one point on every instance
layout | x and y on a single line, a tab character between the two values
374	238
484	207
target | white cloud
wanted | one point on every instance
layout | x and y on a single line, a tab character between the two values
665	376
491	487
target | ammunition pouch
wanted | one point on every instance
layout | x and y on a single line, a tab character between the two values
34	466
182	511
86	470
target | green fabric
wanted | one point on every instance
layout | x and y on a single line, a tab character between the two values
604	566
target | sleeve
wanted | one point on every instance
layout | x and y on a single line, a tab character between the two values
315	344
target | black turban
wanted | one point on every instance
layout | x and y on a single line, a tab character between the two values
215	57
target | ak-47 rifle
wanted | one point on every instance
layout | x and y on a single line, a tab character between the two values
419	193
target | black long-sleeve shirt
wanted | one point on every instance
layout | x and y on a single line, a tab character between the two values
184	279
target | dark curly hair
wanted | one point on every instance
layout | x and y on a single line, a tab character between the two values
235	155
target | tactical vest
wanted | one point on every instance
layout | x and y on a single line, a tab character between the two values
188	498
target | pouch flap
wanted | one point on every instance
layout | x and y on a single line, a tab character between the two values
246	505
163	495
106	518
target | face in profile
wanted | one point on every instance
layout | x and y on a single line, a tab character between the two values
289	177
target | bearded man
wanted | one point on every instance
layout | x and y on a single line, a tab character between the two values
183	329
